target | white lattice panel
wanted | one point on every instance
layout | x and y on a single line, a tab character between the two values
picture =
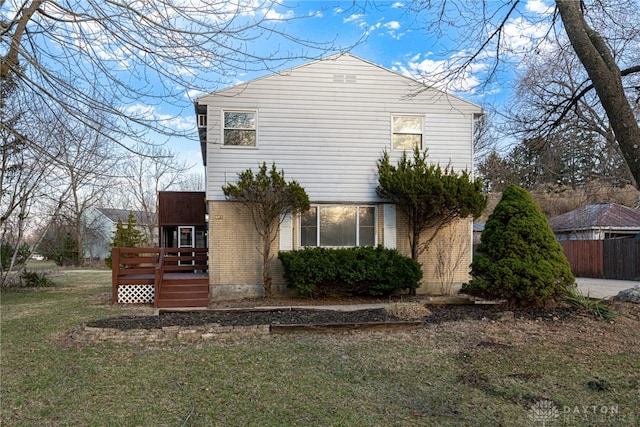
135	294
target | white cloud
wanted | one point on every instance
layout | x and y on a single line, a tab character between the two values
392	25
140	110
397	5
193	93
274	15
539	7
519	34
178	122
149	112
433	72
353	18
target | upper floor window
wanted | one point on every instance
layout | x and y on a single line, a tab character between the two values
239	128
407	132
338	226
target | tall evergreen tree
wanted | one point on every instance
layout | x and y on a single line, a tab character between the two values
128	236
519	258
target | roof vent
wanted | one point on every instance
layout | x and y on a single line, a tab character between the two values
345	78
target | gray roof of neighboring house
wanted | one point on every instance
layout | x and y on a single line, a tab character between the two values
597	216
478	227
123	215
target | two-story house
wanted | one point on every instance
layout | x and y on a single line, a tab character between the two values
325	124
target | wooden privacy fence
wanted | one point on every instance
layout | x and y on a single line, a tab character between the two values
604	259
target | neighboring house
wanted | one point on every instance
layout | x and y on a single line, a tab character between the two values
325	124
598	221
601	240
100	227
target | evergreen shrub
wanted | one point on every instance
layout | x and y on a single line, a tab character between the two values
519	258
372	271
33	279
125	236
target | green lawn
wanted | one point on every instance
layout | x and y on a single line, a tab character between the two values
454	374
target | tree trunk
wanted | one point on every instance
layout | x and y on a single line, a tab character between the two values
11	60
268	237
604	73
266	267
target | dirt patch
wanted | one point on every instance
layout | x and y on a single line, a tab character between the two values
287	316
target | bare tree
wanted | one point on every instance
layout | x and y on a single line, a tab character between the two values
26	173
597	58
544	107
155	169
125	58
53	167
192	181
484	32
86	164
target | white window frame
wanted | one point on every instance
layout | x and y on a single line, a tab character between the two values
202	120
357	206
393	133
223	128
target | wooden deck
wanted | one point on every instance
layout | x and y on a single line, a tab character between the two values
167	277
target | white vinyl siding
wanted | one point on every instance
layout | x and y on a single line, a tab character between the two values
325	124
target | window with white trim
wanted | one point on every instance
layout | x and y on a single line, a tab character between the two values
338	226
239	128
407	132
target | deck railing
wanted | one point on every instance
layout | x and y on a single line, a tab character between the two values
143	266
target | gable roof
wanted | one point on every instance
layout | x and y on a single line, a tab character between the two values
336	57
597	216
123	215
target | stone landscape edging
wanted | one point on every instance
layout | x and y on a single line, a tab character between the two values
89	334
210	332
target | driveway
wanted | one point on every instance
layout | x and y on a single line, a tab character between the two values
603	288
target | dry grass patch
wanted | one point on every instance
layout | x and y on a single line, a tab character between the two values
466	372
407	310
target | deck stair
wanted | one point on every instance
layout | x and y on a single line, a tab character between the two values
183	290
174	277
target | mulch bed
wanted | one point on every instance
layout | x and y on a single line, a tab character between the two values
303	316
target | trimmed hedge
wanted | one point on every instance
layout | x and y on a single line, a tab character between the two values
350	271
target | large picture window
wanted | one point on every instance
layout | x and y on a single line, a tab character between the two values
240	128
338	226
407	132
